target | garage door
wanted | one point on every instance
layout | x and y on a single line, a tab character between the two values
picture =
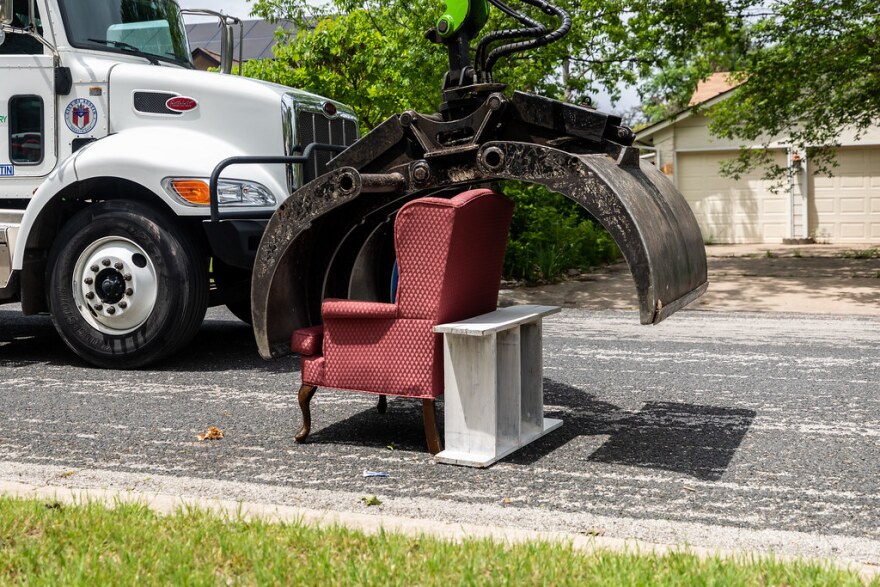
732	211
846	207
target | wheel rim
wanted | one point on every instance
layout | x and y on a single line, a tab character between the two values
115	285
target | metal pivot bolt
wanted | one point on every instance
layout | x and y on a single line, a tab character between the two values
105	262
94	268
90	295
88	281
123	304
118	266
421	171
127	277
111	310
129	291
99	307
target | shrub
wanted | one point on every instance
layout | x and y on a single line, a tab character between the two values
551	234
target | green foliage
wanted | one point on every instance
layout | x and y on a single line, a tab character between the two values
551	234
351	59
372	55
810	70
814	71
88	544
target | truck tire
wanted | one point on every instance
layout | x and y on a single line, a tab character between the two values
126	286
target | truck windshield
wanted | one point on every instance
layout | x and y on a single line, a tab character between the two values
152	29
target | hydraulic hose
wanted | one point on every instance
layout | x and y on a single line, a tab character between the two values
510	48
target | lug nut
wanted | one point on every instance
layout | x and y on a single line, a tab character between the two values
111	310
105	262
90	295
94	268
118	266
129	291
123	304
99	307
127	277
88	281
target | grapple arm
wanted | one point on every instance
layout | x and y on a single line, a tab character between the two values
332	237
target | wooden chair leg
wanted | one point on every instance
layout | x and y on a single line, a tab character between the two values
305	396
382	406
429	414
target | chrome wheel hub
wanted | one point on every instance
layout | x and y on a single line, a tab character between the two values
115	285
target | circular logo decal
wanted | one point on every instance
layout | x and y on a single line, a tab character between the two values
81	116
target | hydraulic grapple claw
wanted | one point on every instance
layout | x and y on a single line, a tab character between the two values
332	238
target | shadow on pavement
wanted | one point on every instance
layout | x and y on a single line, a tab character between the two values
220	345
401	427
695	440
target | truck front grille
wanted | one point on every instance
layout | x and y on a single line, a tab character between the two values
315	127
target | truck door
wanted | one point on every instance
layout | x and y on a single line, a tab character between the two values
27	109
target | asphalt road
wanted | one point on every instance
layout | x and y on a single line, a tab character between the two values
716	429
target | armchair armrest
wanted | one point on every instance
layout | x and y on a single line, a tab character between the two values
334	308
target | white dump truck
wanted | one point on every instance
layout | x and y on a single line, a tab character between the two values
108	140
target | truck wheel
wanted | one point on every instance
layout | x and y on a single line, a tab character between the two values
126	286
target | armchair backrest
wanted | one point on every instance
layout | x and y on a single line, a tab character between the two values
450	253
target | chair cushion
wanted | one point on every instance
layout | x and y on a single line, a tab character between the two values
308	341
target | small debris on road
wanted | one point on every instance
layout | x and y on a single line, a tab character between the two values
375	474
213	433
371	500
689	488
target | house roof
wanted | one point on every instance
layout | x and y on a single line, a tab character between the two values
210	57
709	92
714	85
259	37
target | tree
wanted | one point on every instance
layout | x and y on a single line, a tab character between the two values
372	54
813	71
809	70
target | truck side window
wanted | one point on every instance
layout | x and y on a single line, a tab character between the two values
26	130
22	44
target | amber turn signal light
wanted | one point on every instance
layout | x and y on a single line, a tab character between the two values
193	191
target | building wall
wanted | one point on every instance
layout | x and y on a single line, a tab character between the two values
844	208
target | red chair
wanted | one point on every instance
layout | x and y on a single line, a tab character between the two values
449	254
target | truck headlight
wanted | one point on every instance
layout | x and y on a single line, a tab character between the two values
230	192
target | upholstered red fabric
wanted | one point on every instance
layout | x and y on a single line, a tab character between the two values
449	254
308	341
333	308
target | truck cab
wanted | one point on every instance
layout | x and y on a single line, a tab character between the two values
108	138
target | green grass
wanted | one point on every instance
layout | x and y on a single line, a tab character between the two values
44	543
872	253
